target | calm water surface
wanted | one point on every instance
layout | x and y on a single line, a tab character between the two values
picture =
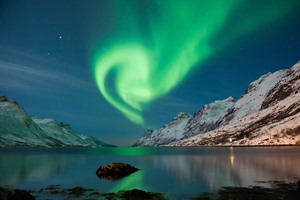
178	172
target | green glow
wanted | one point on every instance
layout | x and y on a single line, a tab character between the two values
133	181
125	151
155	45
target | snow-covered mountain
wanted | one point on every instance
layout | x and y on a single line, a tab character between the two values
171	132
267	114
18	129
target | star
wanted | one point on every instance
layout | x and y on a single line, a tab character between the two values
60	37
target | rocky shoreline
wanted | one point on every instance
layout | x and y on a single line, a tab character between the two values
279	191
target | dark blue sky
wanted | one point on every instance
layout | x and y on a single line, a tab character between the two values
47	49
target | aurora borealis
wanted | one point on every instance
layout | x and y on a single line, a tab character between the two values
114	68
151	57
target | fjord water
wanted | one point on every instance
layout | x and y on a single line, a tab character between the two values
179	173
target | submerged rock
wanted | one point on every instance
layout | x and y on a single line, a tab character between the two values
136	194
115	171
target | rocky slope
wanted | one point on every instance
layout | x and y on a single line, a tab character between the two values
267	114
208	117
18	129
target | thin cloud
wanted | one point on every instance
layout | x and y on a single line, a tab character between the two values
19	76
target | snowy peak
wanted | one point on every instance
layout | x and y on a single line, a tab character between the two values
182	116
214	111
17	129
14	119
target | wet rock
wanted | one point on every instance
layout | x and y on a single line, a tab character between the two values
10	194
294	195
78	191
115	171
136	194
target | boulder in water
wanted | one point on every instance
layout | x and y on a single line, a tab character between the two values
115	171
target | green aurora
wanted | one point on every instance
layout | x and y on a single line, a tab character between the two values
154	45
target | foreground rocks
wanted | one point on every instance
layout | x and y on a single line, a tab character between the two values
115	171
58	192
278	191
11	194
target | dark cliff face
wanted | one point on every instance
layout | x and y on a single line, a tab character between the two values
251	101
3	99
287	86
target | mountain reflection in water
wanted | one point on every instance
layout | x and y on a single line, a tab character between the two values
243	168
15	167
164	170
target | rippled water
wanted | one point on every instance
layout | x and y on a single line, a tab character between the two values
178	172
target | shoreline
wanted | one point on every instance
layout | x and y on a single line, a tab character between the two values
279	190
21	148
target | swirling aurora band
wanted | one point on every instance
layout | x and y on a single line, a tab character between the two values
156	44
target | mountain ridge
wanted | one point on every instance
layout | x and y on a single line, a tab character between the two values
268	113
18	129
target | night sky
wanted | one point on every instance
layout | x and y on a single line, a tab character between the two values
114	68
